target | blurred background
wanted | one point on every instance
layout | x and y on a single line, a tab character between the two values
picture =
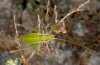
81	27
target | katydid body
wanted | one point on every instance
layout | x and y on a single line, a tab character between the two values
34	38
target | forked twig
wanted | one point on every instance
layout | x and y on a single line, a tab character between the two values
70	13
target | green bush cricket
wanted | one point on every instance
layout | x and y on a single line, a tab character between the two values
39	38
34	38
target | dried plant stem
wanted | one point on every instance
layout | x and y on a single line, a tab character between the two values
47	16
56	14
19	50
39	23
48	48
39	20
33	53
17	37
75	10
70	13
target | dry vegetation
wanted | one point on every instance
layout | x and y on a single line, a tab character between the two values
75	25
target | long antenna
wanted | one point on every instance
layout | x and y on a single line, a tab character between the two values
79	45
